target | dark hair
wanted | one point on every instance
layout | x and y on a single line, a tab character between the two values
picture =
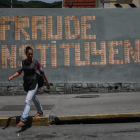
28	48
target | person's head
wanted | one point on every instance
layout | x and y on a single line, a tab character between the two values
29	53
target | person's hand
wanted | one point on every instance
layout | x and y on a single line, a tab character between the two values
10	78
48	85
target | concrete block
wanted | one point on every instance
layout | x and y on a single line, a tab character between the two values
89	85
1	89
20	93
52	92
60	89
77	85
102	90
136	87
52	88
84	85
2	94
20	89
105	85
118	87
40	90
46	91
100	85
132	86
94	90
126	90
111	90
75	89
60	92
94	85
118	90
68	88
10	84
124	85
20	84
128	87
4	88
1	84
85	90
10	88
7	84
9	93
111	85
76	92
60	85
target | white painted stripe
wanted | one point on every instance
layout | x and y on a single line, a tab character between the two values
136	2
125	5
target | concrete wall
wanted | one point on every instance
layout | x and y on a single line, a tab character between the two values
95	45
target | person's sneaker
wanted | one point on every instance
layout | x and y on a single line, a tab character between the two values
38	114
21	123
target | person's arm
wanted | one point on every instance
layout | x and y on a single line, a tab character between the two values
13	76
44	76
16	74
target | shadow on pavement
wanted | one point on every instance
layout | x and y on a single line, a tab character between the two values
23	128
27	125
10	121
13	121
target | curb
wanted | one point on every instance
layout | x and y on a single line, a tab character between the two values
73	119
97	118
31	121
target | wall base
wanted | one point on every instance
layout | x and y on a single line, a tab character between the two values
71	88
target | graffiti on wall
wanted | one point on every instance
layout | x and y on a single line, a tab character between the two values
46	27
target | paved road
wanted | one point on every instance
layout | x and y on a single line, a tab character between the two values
112	131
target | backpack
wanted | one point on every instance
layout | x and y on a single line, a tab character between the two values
40	80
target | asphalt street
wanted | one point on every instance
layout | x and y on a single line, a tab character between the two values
111	131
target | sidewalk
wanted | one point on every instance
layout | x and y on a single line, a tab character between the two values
72	107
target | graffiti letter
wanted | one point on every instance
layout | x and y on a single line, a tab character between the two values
78	62
85	26
50	28
67	53
6	55
19	27
43	53
129	50
76	27
113	51
41	26
101	52
4	27
54	55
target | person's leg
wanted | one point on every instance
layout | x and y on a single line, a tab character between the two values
28	100
37	104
